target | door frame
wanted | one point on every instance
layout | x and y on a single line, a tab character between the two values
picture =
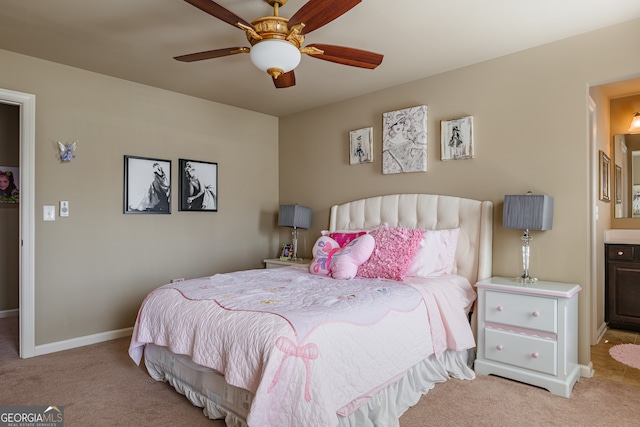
27	104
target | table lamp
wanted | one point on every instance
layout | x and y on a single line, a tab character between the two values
295	216
527	212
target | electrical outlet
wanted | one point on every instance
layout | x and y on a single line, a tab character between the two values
49	213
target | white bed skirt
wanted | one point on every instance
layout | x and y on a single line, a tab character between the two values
206	388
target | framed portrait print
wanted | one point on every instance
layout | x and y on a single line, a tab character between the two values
9	184
605	173
404	140
361	146
198	186
147	185
456	139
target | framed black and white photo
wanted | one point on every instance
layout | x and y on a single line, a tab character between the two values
361	146
456	139
198	185
147	185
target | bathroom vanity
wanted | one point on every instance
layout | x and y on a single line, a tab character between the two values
622	279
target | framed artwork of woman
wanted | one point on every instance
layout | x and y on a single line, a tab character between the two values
198	185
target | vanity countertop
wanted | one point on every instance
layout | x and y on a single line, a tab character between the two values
627	237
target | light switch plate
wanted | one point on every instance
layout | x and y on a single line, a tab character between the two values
64	208
49	213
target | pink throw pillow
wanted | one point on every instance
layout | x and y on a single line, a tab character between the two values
395	248
340	262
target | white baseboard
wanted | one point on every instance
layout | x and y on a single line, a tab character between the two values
82	341
601	331
9	313
587	371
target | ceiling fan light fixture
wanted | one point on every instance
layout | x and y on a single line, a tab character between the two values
275	56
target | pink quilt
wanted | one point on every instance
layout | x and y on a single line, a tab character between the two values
306	346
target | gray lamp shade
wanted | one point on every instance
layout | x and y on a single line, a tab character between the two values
295	216
528	212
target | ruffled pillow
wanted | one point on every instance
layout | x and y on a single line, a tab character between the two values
340	262
395	248
436	253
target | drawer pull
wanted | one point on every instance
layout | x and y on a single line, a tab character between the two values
620	253
499	308
535	314
499	347
535	355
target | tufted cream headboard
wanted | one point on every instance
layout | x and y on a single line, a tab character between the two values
432	212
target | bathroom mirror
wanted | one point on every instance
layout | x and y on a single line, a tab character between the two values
626	176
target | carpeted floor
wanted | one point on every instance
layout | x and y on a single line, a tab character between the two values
99	385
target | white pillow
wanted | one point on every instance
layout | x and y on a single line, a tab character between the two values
436	253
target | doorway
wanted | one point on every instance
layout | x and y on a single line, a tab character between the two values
26	102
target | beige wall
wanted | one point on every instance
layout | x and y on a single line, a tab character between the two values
530	114
94	268
9	213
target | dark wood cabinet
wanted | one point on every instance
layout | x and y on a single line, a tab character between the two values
622	286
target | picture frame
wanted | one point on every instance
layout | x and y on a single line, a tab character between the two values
456	139
198	186
404	140
618	185
605	173
361	146
147	185
635	201
9	185
287	252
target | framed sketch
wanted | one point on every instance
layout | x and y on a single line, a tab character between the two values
605	173
9	184
404	140
361	146
456	139
198	185
618	185
147	185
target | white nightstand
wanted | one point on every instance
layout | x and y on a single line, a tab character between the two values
529	332
278	263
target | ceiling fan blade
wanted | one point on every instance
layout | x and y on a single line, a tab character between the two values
214	9
316	13
285	80
211	54
347	56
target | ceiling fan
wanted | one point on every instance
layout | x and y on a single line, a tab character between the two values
276	42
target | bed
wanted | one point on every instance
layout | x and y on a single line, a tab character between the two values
285	347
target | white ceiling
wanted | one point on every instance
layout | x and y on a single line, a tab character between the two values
137	40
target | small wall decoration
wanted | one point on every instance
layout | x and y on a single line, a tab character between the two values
198	186
9	184
618	185
67	151
147	185
605	173
456	139
361	146
404	140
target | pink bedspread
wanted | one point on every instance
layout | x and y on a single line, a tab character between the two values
306	346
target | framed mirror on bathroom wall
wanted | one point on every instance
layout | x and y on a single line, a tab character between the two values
626	176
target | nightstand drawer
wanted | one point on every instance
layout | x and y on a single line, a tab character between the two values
523	311
532	353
